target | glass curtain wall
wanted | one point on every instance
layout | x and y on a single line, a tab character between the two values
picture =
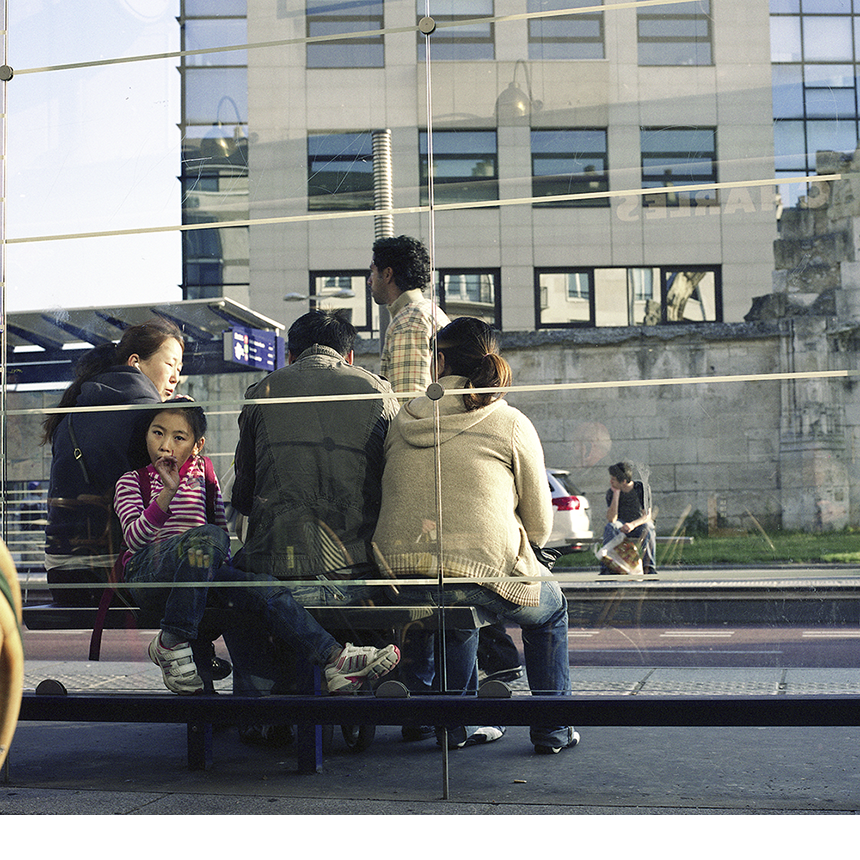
598	187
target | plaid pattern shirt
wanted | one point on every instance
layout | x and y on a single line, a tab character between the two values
406	354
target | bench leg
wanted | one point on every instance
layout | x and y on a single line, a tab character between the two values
308	738
199	746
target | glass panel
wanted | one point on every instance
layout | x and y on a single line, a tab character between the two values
827	38
711	343
788	91
570	161
200	34
566	37
340	171
785	40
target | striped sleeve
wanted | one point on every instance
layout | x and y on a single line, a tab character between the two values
140	526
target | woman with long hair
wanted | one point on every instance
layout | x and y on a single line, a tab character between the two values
482	460
90	451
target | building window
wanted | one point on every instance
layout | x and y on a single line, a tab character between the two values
675	35
470	293
815	105
569	161
469	42
566	298
333	17
465	166
565	37
346	292
340	171
214	175
676	157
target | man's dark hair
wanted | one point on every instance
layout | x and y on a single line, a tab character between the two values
621	472
408	259
326	328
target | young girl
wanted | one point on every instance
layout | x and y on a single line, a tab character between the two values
167	523
172	537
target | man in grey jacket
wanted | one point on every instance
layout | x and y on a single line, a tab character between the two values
308	474
308	479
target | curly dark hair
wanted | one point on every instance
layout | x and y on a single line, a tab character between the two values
408	259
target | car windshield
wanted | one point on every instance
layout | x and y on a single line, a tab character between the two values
564	479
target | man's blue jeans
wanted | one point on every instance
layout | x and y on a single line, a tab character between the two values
544	632
280	606
646	533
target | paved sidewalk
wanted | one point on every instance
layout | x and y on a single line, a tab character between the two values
85	768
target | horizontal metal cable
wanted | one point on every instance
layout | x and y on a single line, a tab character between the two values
339	37
437	207
519	389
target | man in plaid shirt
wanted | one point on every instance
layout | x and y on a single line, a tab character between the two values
399	272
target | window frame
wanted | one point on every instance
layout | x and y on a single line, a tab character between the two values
601	177
674	14
341	198
567	43
494	272
314	275
446	40
333	23
658	199
480	182
661	283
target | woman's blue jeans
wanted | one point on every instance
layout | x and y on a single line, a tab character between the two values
545	647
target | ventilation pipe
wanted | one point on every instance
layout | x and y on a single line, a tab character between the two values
383	199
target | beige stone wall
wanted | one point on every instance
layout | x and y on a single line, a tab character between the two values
781	451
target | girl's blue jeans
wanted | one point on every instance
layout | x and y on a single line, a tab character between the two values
189	562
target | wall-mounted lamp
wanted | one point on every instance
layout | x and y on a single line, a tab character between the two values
513	106
219	144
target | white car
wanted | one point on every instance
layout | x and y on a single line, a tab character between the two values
571	524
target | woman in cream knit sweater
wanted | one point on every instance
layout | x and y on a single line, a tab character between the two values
493	502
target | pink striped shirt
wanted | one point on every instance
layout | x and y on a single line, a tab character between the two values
142	526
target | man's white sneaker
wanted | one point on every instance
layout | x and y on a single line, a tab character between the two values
177	666
355	665
573	740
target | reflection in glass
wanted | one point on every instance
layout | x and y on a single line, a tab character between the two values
326	18
340	171
569	161
465	165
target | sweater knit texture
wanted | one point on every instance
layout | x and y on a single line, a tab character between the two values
495	496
